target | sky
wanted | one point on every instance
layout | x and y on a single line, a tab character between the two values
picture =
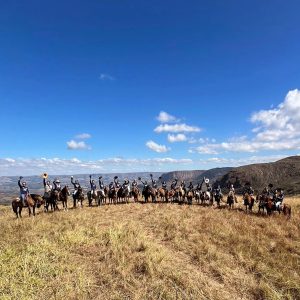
121	86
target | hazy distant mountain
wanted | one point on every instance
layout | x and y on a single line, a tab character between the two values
284	173
196	175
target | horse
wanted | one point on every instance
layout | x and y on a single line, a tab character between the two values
17	207
197	194
262	203
205	196
248	202
52	200
112	195
163	194
171	195
149	192
78	197
218	198
123	193
135	192
33	201
93	196
63	196
189	196
231	198
287	210
180	193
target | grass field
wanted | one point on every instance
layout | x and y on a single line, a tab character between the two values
150	251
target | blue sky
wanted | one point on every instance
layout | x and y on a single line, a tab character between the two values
107	69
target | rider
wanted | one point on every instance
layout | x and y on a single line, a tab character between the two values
24	191
76	186
279	198
218	191
93	186
190	187
164	185
145	183
174	183
271	193
231	189
47	189
117	183
134	184
101	183
111	186
265	191
154	184
56	185
126	184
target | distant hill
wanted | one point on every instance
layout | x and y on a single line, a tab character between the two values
284	173
196	175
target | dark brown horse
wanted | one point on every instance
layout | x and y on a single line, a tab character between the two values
231	199
33	201
248	202
163	194
189	196
17	207
63	197
135	192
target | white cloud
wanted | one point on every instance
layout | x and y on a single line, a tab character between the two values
278	129
180	137
104	76
175	128
10	167
83	136
281	122
156	147
56	166
164	117
73	145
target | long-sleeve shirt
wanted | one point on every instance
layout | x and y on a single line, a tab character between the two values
23	189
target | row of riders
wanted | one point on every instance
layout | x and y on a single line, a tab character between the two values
116	192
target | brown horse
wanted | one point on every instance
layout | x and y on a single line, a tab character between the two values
135	192
231	199
17	207
248	202
171	195
33	201
189	196
163	194
112	195
64	194
287	210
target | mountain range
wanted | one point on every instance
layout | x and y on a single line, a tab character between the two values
284	173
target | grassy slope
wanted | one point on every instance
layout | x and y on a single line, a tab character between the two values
150	252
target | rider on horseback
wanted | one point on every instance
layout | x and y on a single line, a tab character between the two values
218	191
154	185
126	184
190	187
134	184
279	198
76	186
56	185
24	191
164	185
116	182
101	183
93	186
47	190
174	183
232	190
111	186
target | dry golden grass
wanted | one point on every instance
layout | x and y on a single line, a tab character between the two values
151	251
